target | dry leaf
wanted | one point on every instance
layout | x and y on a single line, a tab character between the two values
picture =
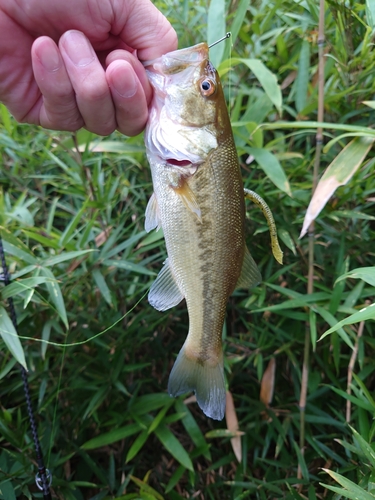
103	236
338	173
232	425
268	383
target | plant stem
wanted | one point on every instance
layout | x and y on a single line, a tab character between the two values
352	361
311	232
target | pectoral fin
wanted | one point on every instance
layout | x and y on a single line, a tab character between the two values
189	199
152	214
250	275
164	292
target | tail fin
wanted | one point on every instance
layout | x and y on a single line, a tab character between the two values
206	381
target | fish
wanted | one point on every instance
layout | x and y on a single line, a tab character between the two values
198	200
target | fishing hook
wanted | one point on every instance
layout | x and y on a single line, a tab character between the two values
228	35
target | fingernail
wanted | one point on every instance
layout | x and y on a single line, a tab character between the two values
125	83
49	57
78	48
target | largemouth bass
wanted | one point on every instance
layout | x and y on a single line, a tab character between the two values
199	202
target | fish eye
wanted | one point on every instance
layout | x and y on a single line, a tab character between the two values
207	87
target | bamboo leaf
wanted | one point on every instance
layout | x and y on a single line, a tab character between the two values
223	433
351	490
192	428
302	80
370	13
65	237
17	250
10	337
301	461
271	167
7	490
129	266
365	447
235	27
339	172
111	437
103	146
266	78
172	444
371	104
146	489
102	285
23	285
362	315
216	29
137	446
368	132
56	295
62	257
366	274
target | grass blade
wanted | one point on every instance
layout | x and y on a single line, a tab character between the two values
216	29
271	167
10	337
172	444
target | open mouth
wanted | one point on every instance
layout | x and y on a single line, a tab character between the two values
179	163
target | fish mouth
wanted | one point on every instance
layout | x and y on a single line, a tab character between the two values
185	167
179	163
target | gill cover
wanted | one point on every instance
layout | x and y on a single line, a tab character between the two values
182	119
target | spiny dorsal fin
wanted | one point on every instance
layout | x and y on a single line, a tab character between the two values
164	292
250	275
152	220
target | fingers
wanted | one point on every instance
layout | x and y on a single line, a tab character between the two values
73	85
58	108
131	91
89	83
77	92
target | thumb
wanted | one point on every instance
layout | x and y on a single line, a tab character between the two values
147	30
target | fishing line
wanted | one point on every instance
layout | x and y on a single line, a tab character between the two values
65	345
81	342
43	478
229	75
56	406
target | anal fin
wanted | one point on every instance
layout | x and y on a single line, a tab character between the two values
164	292
250	275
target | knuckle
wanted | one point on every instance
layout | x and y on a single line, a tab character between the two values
102	129
92	92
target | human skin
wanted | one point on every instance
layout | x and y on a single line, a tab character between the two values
67	64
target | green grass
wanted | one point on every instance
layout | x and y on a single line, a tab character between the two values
72	223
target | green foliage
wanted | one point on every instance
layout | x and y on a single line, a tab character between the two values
71	218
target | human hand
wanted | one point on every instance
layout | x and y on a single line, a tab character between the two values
93	78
